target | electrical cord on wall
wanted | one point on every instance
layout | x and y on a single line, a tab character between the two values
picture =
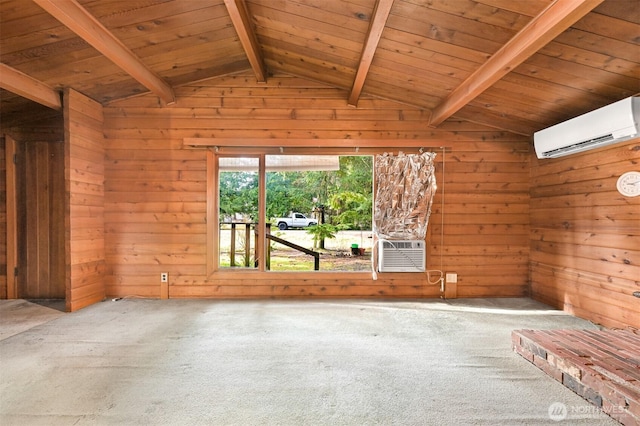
442	223
374	253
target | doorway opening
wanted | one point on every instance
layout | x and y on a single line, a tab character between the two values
35	194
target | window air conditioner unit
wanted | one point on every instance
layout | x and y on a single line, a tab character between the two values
401	256
613	123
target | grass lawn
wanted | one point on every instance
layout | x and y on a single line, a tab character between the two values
335	257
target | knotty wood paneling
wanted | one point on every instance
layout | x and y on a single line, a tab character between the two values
84	202
3	220
426	49
585	236
34	126
37	127
156	191
40	220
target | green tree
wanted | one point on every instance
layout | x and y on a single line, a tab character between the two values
353	209
356	174
287	192
351	194
321	232
239	194
346	193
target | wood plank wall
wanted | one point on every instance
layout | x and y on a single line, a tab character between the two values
84	185
29	129
585	236
40	216
155	191
3	221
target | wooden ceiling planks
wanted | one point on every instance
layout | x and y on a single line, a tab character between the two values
528	8
425	50
320	43
537	33
572	79
80	21
621	9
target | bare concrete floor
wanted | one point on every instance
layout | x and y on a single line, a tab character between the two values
17	316
331	362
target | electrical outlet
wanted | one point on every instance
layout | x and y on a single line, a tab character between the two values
164	277
451	277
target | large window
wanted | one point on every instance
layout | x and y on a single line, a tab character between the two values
317	213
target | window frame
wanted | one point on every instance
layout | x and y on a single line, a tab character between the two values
216	148
213	214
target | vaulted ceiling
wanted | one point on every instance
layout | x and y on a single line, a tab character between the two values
514	65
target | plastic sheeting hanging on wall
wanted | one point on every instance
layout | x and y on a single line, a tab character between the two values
405	188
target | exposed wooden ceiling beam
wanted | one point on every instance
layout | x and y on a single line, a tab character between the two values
552	21
378	22
28	87
77	19
240	17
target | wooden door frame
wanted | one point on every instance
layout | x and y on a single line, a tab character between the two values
12	217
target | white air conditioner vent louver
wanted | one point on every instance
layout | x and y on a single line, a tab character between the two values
577	147
401	256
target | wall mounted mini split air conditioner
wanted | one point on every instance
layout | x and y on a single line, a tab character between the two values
613	123
401	256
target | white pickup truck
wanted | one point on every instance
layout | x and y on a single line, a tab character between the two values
295	220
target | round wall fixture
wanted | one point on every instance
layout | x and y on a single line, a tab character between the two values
629	184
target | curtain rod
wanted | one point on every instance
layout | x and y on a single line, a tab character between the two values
330	146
